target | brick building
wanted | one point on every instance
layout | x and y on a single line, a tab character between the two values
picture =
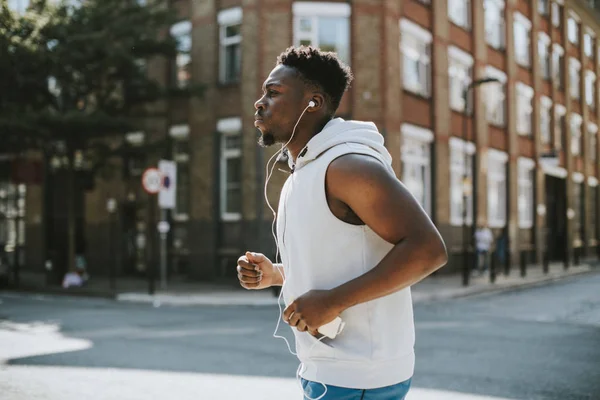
525	158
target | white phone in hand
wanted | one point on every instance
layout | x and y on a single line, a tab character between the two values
333	328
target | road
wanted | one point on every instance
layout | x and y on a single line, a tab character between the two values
539	343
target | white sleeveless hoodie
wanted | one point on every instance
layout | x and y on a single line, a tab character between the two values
319	251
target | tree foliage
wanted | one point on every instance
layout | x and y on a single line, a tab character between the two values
76	70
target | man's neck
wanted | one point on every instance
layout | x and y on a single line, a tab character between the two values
303	137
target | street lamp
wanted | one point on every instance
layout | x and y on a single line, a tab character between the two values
468	181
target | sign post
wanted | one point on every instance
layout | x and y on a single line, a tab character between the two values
152	183
166	201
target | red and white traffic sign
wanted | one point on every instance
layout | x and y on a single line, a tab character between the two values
152	180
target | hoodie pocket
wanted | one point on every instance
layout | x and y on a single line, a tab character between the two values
310	347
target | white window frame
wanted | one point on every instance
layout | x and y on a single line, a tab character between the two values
573	28
316	10
560	112
495	29
459	12
590	88
526	195
495	112
545	55
575	125
558	73
458	148
555	9
524	109
415	136
543	7
588	42
495	177
460	64
179	29
226	18
593	145
409	28
180	133
545	119
522	52
228	127
574	74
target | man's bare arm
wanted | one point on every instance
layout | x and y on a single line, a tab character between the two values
387	207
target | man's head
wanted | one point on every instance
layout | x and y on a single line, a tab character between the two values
302	75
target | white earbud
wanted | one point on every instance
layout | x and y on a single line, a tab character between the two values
311	103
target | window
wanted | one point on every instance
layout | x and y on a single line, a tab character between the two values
524	109
323	25
573	30
560	126
416	163
415	46
182	32
574	80
588	43
459	70
494	23
522	30
558	54
590	89
526	192
231	168
495	95
545	119
230	39
544	55
575	125
557	10
544	7
496	188
459	12
461	189
593	132
181	155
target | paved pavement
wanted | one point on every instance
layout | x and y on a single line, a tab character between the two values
439	287
538	343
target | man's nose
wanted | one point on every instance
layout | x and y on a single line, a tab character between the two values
259	103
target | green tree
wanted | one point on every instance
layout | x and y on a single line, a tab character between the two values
73	74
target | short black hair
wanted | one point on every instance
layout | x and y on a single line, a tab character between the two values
322	69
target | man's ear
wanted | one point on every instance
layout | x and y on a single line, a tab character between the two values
319	102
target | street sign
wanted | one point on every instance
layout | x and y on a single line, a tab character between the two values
163	227
152	180
167	195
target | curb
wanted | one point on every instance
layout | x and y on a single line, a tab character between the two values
493	289
240	298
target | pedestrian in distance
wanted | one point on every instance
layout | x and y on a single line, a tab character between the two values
352	238
484	239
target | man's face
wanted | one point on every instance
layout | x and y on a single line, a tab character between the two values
280	106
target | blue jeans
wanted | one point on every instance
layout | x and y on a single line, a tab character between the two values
312	390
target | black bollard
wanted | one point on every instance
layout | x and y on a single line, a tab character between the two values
545	262
523	263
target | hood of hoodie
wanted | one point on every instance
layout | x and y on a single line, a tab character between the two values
338	131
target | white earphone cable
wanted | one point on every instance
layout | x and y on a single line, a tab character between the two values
269	173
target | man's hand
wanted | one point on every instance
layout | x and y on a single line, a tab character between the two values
311	311
255	271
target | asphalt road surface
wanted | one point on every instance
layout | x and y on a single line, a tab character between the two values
539	343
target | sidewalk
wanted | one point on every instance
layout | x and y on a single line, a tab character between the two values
187	293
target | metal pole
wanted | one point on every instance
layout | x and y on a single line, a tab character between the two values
466	264
151	248
163	251
112	254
